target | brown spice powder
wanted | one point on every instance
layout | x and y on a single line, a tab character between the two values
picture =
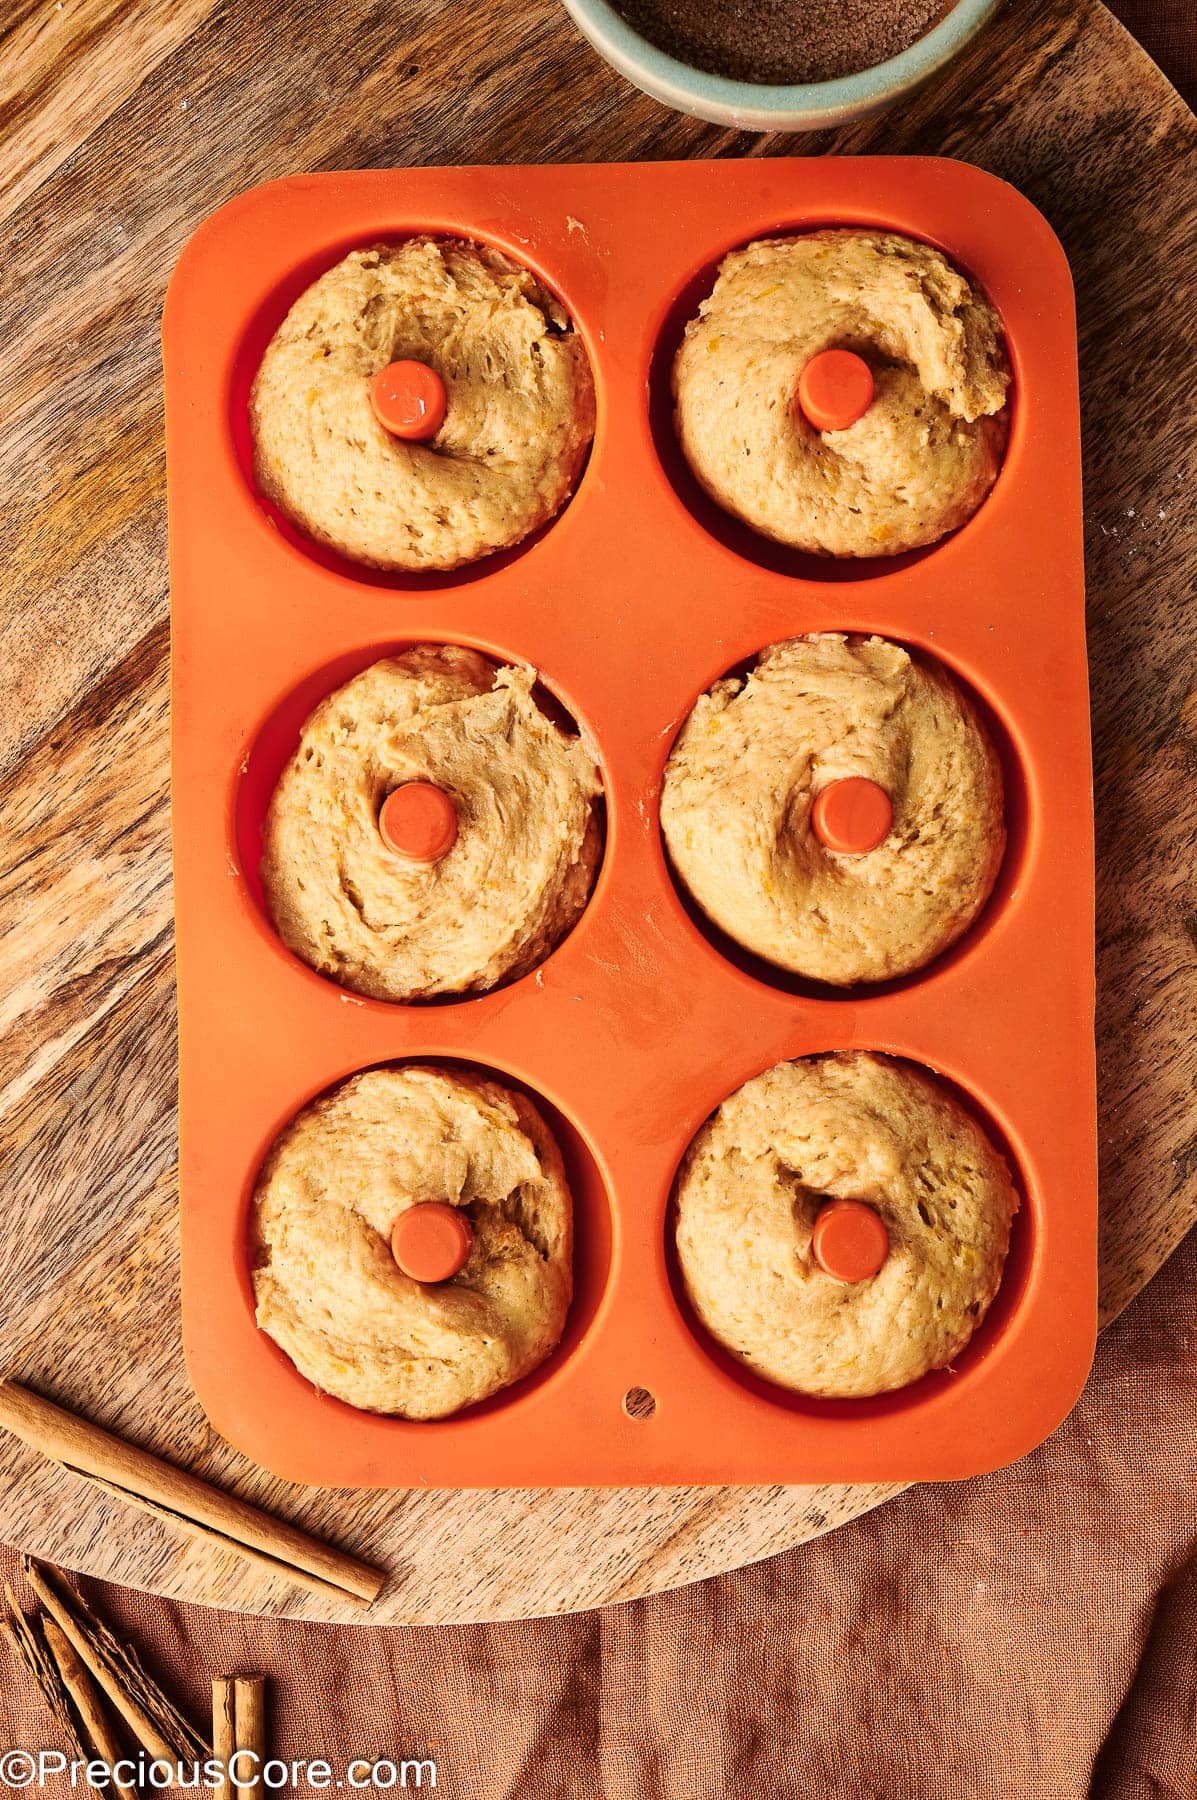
776	41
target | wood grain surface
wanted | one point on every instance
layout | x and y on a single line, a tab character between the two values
123	125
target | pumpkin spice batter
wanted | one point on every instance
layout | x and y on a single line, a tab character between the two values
328	1286
914	462
400	917
812	1134
758	757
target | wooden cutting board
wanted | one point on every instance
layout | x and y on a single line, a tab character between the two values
131	124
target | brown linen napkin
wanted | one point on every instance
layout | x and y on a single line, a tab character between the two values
1167	30
1151	1752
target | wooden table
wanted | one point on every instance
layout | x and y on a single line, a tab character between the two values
132	123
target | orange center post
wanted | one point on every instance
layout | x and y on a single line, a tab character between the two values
852	816
835	389
850	1241
419	821
432	1241
409	400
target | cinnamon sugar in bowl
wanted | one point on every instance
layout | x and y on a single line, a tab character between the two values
782	65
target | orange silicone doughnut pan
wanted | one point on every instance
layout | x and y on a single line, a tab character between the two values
629	606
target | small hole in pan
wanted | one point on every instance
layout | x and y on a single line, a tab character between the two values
724	526
1001	896
992	1329
639	1403
275	743
258	333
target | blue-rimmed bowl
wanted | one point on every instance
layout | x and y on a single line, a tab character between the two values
764	106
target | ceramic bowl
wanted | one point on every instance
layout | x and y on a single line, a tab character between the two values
757	106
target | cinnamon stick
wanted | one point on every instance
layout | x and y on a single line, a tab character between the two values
249	1711
145	1481
79	1685
224	1733
34	1654
129	1705
270	1565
